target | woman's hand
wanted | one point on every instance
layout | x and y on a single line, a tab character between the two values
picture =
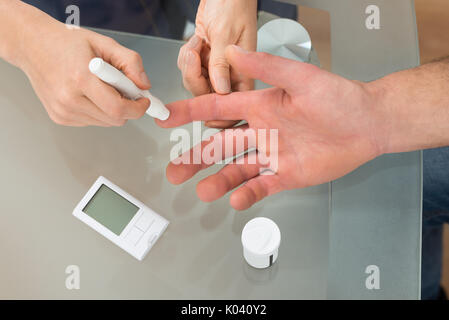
56	58
202	60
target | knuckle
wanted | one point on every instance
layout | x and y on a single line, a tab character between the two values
110	41
119	123
135	57
195	87
57	119
79	79
220	62
64	113
139	110
117	113
217	111
190	75
64	96
142	110
187	81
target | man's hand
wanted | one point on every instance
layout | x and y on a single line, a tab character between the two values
56	60
202	60
327	126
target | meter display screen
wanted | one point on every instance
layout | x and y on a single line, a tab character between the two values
110	209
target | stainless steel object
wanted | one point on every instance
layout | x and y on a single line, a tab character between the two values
285	38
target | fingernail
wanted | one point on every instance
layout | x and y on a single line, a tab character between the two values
239	49
223	85
145	80
193	42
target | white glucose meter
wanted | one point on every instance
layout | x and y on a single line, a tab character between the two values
121	218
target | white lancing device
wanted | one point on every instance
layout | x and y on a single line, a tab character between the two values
114	77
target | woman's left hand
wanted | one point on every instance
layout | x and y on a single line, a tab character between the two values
202	60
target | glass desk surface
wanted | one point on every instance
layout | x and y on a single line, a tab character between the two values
330	233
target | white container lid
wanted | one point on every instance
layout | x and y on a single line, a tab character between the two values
261	238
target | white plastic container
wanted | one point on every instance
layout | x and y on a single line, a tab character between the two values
261	239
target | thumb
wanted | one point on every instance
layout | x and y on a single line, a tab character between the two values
273	70
124	59
219	69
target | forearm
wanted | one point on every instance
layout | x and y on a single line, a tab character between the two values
415	108
18	24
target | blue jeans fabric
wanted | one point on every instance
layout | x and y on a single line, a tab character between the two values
435	214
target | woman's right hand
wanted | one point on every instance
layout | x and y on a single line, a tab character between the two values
56	60
202	60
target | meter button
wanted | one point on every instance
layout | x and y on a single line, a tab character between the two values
152	239
134	236
144	222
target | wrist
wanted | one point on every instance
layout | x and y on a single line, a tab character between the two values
381	128
10	30
250	5
238	4
29	31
